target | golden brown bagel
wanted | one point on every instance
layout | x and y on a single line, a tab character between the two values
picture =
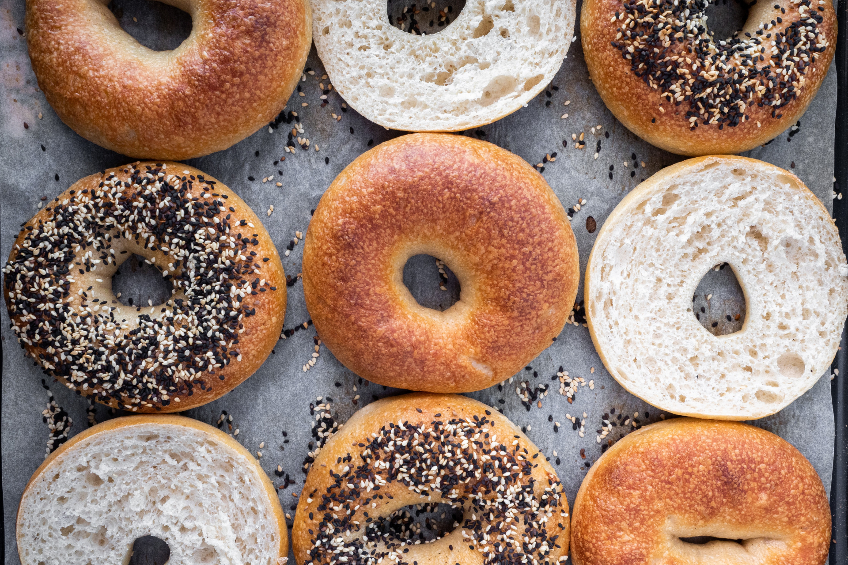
687	478
218	327
180	480
428	448
660	112
231	76
488	215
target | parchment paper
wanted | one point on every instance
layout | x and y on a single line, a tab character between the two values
41	157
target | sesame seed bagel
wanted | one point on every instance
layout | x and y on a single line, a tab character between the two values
232	75
645	499
492	60
222	320
658	244
426	449
664	75
182	481
488	215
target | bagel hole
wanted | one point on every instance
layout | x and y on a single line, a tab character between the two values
719	303
155	25
431	283
726	18
420	523
140	284
702	540
149	550
423	18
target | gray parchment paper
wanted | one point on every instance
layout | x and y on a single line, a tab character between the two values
41	157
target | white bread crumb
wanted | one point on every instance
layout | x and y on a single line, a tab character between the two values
493	59
657	245
173	482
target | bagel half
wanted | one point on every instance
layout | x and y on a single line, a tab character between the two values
657	245
174	478
490	61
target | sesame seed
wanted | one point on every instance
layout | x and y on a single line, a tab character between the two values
720	81
161	358
461	461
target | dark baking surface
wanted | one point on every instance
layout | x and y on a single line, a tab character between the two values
278	396
839	389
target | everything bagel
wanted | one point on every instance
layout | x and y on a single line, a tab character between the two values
665	76
221	322
427	448
188	484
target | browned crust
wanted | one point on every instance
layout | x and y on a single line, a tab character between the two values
699	473
170	420
635	104
261	331
232	75
419	409
485	212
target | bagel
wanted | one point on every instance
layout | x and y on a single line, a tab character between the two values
493	59
655	490
659	242
428	449
231	76
663	74
488	215
184	482
221	322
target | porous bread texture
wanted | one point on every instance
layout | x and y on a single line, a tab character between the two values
657	245
178	483
494	58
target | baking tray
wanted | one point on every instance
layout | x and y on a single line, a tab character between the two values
839	389
281	396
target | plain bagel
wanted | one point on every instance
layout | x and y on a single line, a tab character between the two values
664	75
231	76
221	322
488	215
660	494
659	242
490	61
182	481
428	449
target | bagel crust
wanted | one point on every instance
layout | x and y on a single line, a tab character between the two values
217	328
232	75
687	478
690	93
427	448
199	446
488	215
